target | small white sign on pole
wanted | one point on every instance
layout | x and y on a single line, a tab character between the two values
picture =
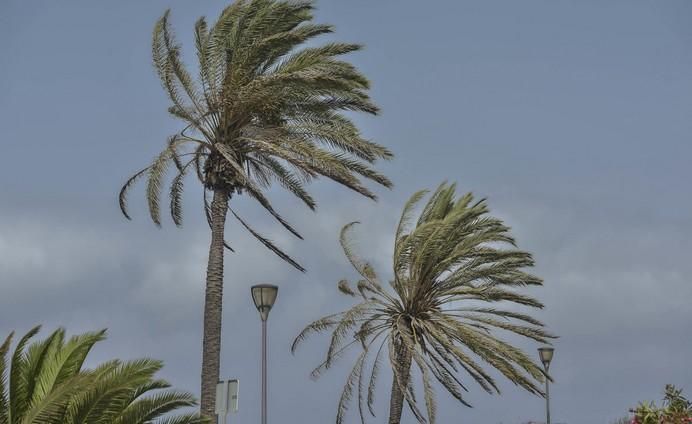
233	387
221	398
227	397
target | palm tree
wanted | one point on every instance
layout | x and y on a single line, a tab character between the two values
446	267
48	385
261	111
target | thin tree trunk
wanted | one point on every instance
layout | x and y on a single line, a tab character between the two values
211	344
396	400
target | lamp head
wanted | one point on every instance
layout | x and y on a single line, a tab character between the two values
264	296
546	354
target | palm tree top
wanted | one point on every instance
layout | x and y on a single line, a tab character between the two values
45	382
261	110
447	265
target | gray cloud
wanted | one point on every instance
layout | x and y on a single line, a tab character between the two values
573	119
619	308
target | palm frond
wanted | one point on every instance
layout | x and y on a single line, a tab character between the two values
4	409
269	244
347	392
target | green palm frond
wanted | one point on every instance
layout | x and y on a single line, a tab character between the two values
447	261
262	109
4	402
49	385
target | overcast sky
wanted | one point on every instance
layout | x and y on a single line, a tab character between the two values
572	117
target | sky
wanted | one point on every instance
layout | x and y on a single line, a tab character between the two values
571	117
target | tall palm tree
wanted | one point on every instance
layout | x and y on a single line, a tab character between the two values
47	385
433	317
261	111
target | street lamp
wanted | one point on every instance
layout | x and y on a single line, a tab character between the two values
546	354
264	296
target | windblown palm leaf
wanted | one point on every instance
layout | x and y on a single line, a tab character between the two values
447	265
47	385
261	110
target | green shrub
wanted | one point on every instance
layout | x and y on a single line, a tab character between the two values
676	409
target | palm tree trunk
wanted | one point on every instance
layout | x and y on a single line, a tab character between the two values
211	344
396	400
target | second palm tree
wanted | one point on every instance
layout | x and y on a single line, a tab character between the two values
432	316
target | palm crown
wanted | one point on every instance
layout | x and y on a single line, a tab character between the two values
46	384
260	110
446	267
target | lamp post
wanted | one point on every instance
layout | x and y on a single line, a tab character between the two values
264	296
546	354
